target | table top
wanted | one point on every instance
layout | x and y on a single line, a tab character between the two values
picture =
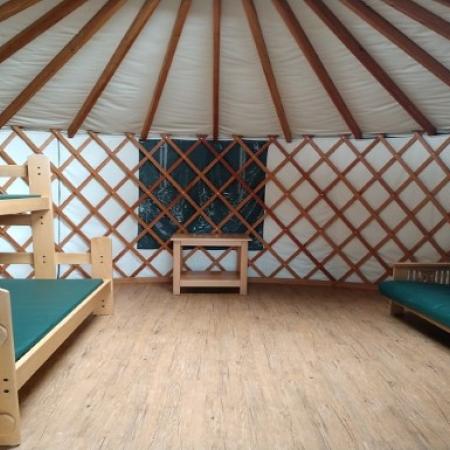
185	237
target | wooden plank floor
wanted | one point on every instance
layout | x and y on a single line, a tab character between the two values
284	368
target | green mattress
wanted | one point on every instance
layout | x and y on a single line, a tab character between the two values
432	300
39	305
17	196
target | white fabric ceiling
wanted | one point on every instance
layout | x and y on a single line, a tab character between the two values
245	103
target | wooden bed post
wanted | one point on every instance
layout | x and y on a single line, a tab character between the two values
101	260
39	178
9	399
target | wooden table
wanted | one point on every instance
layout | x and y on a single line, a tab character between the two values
207	278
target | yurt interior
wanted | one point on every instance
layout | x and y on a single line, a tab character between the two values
225	224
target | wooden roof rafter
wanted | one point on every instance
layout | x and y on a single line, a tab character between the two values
360	7
258	37
352	44
58	61
217	8
38	27
13	7
177	29
402	41
422	15
316	64
134	30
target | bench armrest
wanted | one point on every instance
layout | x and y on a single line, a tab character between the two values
423	272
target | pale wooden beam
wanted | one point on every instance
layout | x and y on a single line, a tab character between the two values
78	41
422	15
12	7
15	219
73	258
255	28
333	23
398	38
217	6
16	258
38	27
15	171
177	29
116	59
313	58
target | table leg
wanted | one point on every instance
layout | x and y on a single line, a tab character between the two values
176	267
243	268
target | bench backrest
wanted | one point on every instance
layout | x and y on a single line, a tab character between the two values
438	273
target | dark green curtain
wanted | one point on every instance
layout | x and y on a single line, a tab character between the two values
236	193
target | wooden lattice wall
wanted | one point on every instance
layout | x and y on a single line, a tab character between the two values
336	210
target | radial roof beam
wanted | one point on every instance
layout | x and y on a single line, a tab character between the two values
78	41
422	15
255	28
38	27
313	58
398	38
217	7
369	63
116	59
13	7
177	29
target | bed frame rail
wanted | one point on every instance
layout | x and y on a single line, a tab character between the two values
29	363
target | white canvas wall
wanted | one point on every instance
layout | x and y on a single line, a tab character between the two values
286	212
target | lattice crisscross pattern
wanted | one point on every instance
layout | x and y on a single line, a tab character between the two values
335	210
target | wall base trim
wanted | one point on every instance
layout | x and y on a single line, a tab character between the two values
256	280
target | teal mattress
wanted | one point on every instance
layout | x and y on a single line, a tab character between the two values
431	300
39	305
17	196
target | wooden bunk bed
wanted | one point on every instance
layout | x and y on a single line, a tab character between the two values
37	315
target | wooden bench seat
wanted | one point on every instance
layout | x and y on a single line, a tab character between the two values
425	299
420	288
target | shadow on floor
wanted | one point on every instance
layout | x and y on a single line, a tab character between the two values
426	328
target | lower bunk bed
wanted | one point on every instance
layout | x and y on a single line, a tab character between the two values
36	317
